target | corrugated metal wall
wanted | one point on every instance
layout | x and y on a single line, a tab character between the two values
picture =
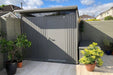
53	38
71	36
98	31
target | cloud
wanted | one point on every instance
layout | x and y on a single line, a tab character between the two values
87	2
56	5
16	2
27	4
96	9
58	0
32	4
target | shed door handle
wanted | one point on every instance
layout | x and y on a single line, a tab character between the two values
51	39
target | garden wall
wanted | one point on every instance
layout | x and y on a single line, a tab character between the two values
11	26
97	31
1	55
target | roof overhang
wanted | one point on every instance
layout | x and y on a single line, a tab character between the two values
43	10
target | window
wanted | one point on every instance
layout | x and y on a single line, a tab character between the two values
53	13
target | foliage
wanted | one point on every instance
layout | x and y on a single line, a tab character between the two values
2	6
108	18
92	54
81	26
93	20
13	47
112	46
19	56
21	42
7	47
107	44
2	34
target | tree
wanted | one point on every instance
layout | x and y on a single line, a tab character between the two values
2	6
108	18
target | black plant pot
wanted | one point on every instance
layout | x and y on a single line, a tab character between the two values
11	67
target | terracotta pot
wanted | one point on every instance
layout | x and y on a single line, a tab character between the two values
112	53
90	67
19	65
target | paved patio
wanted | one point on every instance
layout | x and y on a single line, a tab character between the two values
44	68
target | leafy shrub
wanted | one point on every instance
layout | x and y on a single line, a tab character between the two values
12	47
2	6
107	45
93	20
108	18
92	54
81	26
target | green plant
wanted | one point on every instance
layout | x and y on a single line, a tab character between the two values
2	5
19	56
21	42
81	26
92	54
112	46
7	47
2	34
13	47
108	18
107	44
93	20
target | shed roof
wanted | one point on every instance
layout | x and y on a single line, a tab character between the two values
41	10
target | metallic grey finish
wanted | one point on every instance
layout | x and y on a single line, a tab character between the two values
97	31
53	38
40	10
77	36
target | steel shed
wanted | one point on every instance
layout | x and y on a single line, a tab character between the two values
53	33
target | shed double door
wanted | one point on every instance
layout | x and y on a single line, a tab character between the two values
53	38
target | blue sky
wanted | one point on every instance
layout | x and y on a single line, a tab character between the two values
89	7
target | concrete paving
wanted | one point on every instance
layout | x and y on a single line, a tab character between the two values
44	68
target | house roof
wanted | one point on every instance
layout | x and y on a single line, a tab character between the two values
40	10
9	8
104	11
86	16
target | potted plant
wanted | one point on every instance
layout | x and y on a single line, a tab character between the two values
112	47
21	42
107	46
7	47
19	59
81	26
92	56
12	49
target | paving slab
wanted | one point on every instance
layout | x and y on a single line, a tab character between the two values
44	68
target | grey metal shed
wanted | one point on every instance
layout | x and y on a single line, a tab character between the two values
53	33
